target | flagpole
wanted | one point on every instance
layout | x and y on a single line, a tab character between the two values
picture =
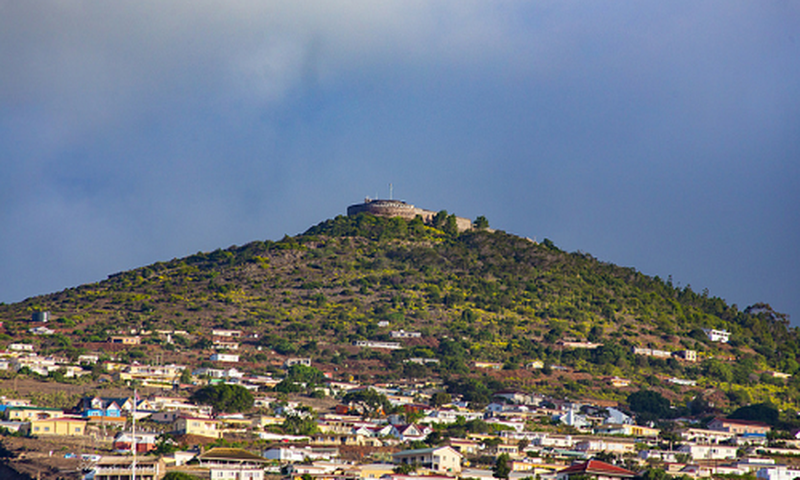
133	435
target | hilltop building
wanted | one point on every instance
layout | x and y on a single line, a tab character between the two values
397	208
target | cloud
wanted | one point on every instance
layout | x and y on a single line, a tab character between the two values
137	131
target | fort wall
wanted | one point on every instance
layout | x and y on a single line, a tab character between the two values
397	208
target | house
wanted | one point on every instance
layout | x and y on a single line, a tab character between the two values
464	446
21	347
227	373
145	442
517	397
88	359
682	381
99	407
338	439
225	357
687	355
488	365
438	459
708	452
25	414
125	339
374	470
664	456
294	454
13	402
574	419
41	331
721	336
618	382
403	334
447	415
233	463
376	344
58	426
617	416
225	345
297	361
651	352
610	445
702	435
37	364
410	433
226	333
14	427
421	361
594	469
777	472
629	430
151	375
188	425
579	345
120	468
512	450
739	427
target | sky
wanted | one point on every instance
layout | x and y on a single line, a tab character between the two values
663	136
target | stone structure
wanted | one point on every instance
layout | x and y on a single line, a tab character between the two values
396	208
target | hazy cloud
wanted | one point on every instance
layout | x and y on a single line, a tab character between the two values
660	135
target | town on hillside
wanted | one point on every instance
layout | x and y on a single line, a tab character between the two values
220	421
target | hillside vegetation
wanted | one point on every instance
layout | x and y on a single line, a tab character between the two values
474	296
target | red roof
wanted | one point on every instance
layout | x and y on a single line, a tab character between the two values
752	423
597	467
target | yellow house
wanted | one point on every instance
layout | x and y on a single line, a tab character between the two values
204	427
59	426
641	431
375	470
25	414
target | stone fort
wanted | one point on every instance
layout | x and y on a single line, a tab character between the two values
397	208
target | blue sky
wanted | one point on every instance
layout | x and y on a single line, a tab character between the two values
659	135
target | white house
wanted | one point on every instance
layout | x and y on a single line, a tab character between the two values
617	416
709	452
721	336
777	472
225	357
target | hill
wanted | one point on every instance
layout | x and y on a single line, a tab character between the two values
481	304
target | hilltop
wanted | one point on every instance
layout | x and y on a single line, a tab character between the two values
458	303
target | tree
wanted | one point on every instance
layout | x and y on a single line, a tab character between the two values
225	398
451	225
300	425
370	401
649	405
481	223
405	468
179	476
440	398
186	376
502	467
165	445
655	474
760	412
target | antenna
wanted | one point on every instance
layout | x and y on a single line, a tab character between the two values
390	192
